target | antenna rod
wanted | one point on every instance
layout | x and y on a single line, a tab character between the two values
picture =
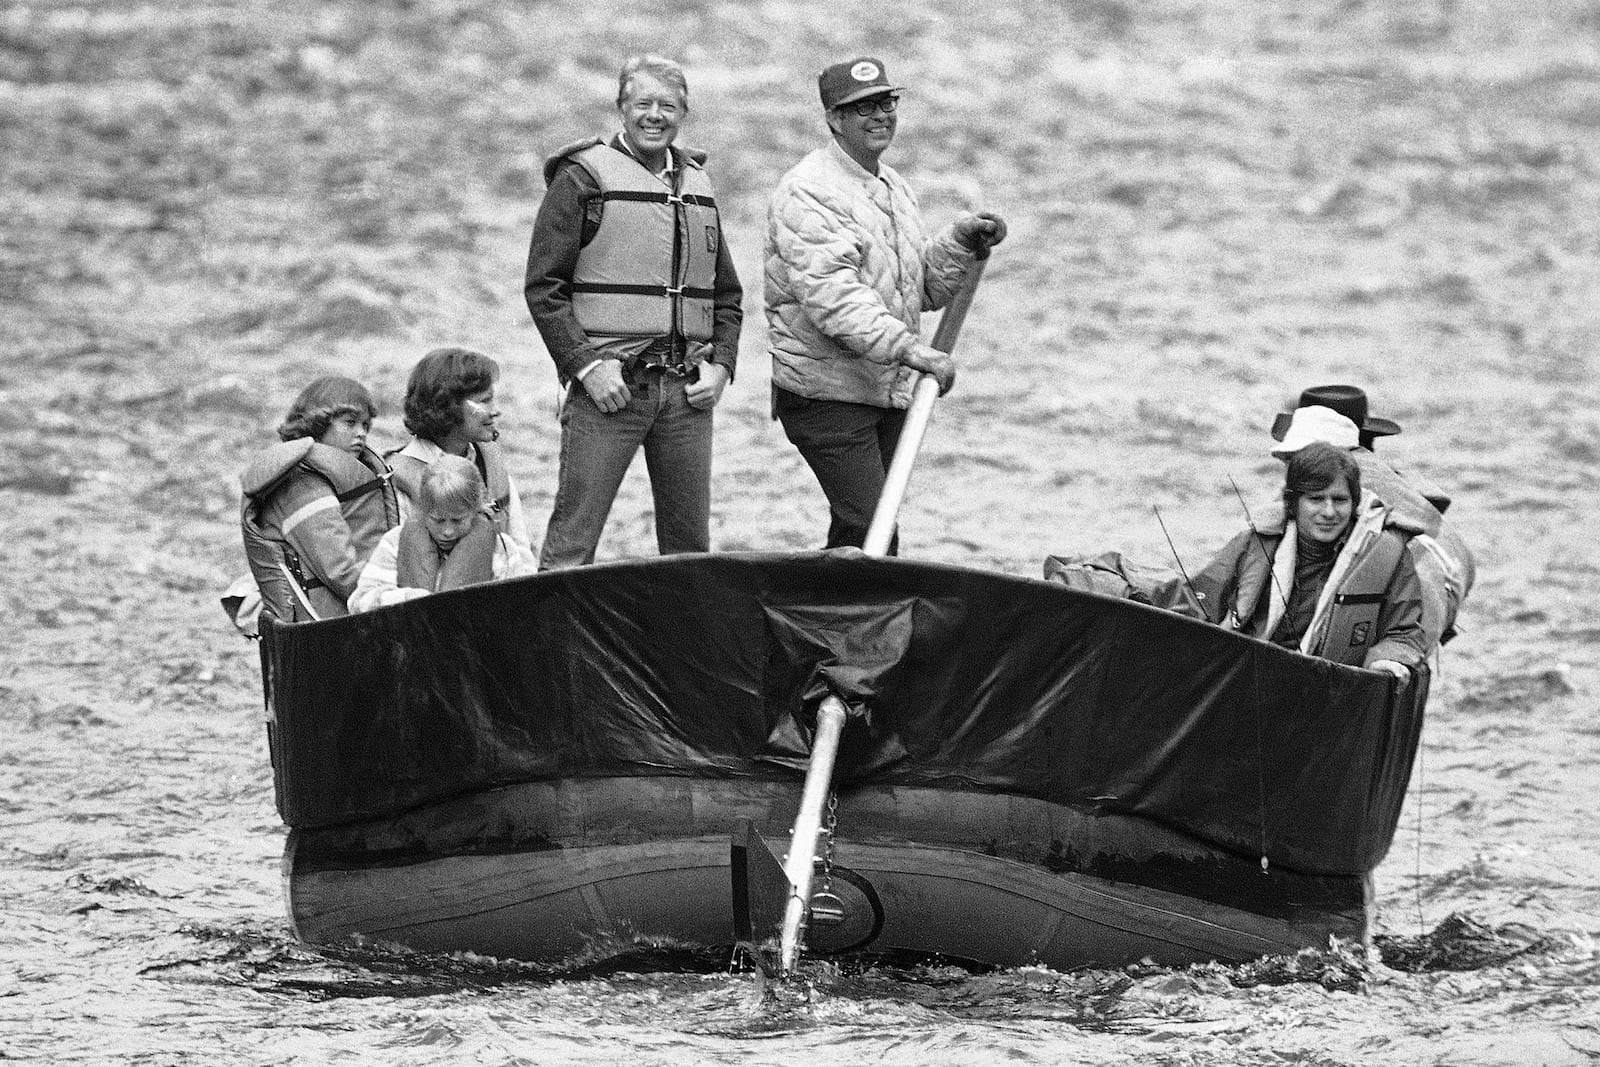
1175	557
1259	542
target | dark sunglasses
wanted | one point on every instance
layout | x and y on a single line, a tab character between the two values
886	104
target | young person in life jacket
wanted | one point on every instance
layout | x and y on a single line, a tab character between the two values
430	552
1329	578
450	410
1445	565
316	503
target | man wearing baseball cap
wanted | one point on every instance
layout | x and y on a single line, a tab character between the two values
849	272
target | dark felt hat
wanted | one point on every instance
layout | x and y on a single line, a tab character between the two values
1347	400
854	79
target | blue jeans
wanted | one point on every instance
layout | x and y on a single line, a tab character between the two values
596	450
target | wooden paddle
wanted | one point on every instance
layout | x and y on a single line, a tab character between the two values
801	863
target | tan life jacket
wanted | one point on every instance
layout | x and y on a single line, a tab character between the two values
490	459
366	500
1359	600
650	268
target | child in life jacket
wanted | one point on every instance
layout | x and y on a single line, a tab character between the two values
316	503
447	541
450	410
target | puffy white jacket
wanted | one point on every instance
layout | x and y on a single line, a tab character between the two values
848	274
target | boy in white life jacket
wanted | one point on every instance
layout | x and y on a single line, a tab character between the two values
447	541
1329	577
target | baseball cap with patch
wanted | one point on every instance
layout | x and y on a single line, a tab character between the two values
854	79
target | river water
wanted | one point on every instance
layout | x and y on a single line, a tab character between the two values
144	924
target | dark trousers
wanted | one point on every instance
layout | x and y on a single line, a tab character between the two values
848	447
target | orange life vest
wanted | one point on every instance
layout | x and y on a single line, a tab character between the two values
1353	618
360	485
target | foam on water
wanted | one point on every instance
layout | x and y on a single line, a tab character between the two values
184	993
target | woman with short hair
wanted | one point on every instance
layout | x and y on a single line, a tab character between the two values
450	410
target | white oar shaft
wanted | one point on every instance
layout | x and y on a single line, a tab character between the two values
801	860
800	863
898	476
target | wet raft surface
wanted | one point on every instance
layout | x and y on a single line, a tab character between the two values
504	769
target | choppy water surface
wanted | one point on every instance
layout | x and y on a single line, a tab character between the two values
143	925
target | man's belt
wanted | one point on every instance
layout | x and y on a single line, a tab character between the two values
671	370
665	354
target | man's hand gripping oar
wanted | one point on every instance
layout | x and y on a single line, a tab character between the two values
982	232
927	390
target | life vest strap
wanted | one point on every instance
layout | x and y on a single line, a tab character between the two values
363	489
292	566
641	196
298	594
688	292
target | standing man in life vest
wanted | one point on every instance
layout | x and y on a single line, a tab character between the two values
849	272
634	292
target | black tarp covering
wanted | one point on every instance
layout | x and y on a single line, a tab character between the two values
711	665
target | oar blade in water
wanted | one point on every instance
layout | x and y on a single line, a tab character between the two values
760	891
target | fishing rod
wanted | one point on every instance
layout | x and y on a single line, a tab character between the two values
1261	544
1176	558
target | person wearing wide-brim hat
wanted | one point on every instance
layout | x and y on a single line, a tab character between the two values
850	269
1331	577
1339	415
1347	400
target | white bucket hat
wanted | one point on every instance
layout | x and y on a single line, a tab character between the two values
1316	423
